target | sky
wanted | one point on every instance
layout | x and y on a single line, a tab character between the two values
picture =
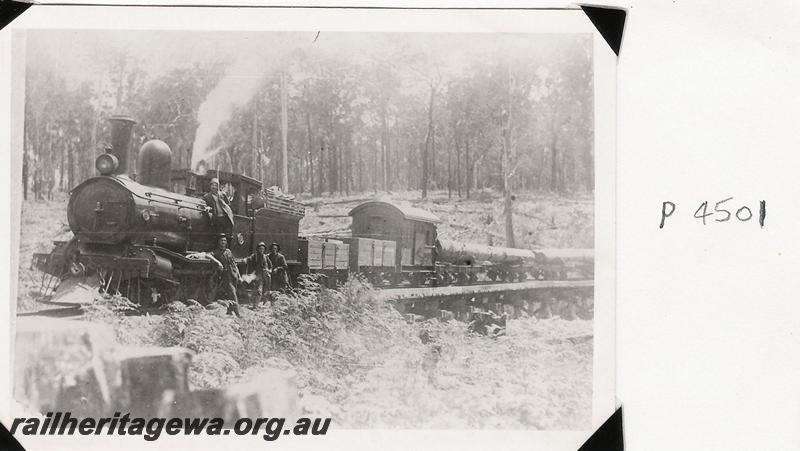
81	54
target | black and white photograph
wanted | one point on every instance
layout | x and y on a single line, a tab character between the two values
372	229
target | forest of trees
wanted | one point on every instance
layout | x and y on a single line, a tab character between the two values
399	119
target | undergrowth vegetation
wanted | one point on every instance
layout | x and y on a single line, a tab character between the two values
357	360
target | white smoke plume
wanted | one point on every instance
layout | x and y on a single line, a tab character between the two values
238	85
255	58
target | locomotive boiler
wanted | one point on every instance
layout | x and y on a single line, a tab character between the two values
134	235
112	209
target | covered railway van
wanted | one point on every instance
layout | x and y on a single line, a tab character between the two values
413	229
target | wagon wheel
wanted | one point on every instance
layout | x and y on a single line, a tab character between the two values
445	278
395	279
585	308
545	310
569	311
422	279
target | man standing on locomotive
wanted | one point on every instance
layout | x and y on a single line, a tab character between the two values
229	274
219	207
262	266
279	267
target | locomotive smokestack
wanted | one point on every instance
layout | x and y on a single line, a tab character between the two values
155	164
121	134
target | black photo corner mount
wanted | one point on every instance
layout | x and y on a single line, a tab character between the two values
607	437
7	441
610	22
10	10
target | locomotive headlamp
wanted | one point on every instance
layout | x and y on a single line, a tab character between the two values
106	164
146	215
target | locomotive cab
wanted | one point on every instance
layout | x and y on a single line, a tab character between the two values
240	188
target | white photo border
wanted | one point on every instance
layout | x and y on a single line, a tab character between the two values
338	19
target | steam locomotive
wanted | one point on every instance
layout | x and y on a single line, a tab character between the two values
145	234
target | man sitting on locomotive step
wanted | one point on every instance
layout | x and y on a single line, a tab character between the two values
280	274
219	207
228	274
262	266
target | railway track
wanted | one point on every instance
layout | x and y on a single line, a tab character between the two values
399	294
569	298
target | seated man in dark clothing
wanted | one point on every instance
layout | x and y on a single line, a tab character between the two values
228	275
280	270
262	266
219	208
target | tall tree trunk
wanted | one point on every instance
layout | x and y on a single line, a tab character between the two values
469	164
458	160
588	166
384	145
339	166
428	140
389	165
25	174
508	207
450	173
310	155
70	167
360	169
349	165
554	162
373	179
255	139
433	155
284	134
331	166
119	86
26	149
62	165
321	172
